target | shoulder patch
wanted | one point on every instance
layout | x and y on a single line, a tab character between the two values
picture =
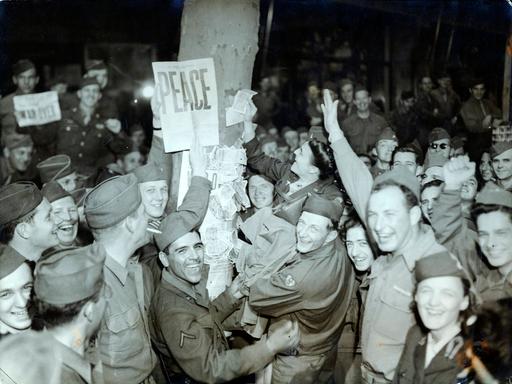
289	281
184	336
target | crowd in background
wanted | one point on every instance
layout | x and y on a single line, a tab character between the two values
378	247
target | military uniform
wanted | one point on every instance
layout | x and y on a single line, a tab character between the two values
443	368
494	286
90	145
313	289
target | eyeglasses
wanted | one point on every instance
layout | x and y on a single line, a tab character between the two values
442	145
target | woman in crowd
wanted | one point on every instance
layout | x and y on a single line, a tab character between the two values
441	301
16	282
485	169
311	171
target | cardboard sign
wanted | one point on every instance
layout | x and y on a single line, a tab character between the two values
37	108
188	96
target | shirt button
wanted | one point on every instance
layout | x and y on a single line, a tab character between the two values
80	155
81	143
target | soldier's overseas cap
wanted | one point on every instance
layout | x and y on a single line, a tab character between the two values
500	147
387	134
112	201
10	260
17	200
400	175
319	205
30	357
173	227
21	66
16	140
53	191
70	275
149	172
88	80
438	134
54	168
494	195
438	265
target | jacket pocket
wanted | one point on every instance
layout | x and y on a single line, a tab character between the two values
123	336
396	316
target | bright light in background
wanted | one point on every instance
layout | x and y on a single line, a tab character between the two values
148	91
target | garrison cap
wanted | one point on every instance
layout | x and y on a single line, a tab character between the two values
10	260
494	195
53	191
17	200
437	265
22	66
387	134
457	142
400	175
70	275
149	172
54	168
30	357
173	227
500	147
321	206
112	201
438	133
16	140
96	65
88	80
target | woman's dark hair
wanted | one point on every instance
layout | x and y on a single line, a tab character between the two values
410	198
491	339
354	222
55	315
480	209
322	159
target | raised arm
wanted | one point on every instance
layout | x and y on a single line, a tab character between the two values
354	174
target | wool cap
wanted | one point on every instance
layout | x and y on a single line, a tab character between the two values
494	195
16	140
22	66
53	191
10	260
112	201
319	205
387	134
70	275
438	134
438	265
500	147
149	172
54	168
17	200
400	175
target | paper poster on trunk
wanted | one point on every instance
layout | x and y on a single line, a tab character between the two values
37	108
188	95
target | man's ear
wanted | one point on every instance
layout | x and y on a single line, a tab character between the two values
88	311
163	259
374	151
79	94
331	236
24	230
415	215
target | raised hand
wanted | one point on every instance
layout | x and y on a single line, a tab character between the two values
113	125
330	111
197	157
156	104
456	171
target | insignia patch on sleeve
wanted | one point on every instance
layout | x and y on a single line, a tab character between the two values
184	336
289	281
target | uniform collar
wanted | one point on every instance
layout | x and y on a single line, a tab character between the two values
117	269
182	285
422	243
73	360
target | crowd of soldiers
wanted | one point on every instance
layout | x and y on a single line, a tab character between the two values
396	272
